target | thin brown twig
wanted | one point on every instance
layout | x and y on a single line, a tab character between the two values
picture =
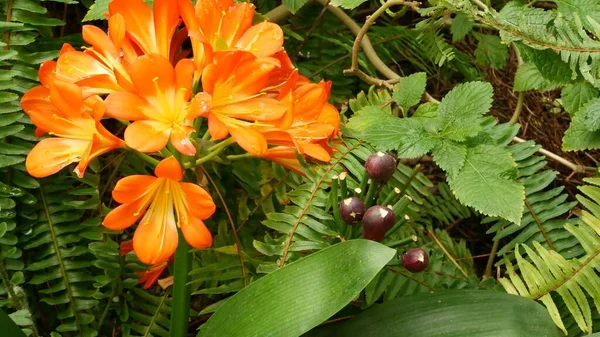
450	257
368	23
576	168
238	245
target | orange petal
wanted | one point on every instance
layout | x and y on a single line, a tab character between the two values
249	139
180	138
147	136
237	20
116	30
169	168
67	99
200	105
52	154
156	237
200	203
316	151
100	41
330	115
166	19
98	85
125	105
152	75
132	188
46	73
75	65
184	71
123	216
263	39
260	109
218	130
196	234
150	276
139	22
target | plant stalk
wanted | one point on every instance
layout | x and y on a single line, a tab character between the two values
181	290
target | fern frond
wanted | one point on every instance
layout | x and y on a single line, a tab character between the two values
149	314
543	217
575	280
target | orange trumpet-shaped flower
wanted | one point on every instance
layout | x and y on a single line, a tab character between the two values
150	276
150	30
234	100
159	107
157	200
218	25
79	136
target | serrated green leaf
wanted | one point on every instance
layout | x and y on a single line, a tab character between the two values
367	116
576	95
292	300
294	5
490	51
528	77
578	137
590	113
461	26
450	156
409	90
406	135
486	182
461	109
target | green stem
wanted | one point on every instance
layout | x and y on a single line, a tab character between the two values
233	157
150	160
181	290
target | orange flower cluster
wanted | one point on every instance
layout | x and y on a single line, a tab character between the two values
236	75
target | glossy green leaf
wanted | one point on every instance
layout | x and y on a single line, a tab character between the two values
453	313
301	295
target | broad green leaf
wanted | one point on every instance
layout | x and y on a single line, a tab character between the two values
490	51
409	90
487	183
451	313
461	26
461	109
294	299
9	328
578	137
450	156
576	95
294	5
528	77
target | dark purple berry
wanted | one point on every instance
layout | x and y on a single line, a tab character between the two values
415	260
352	210
377	221
380	167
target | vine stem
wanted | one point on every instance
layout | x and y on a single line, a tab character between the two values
181	290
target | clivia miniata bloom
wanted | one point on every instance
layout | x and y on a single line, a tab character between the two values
237	76
163	203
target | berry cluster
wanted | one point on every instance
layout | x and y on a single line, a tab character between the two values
378	220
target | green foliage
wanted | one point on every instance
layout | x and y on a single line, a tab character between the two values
480	313
490	51
318	285
461	143
547	272
408	91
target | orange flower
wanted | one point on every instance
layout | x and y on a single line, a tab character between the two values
157	200
150	30
235	101
218	25
80	137
150	276
159	107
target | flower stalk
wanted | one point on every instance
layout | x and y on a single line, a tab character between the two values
181	289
